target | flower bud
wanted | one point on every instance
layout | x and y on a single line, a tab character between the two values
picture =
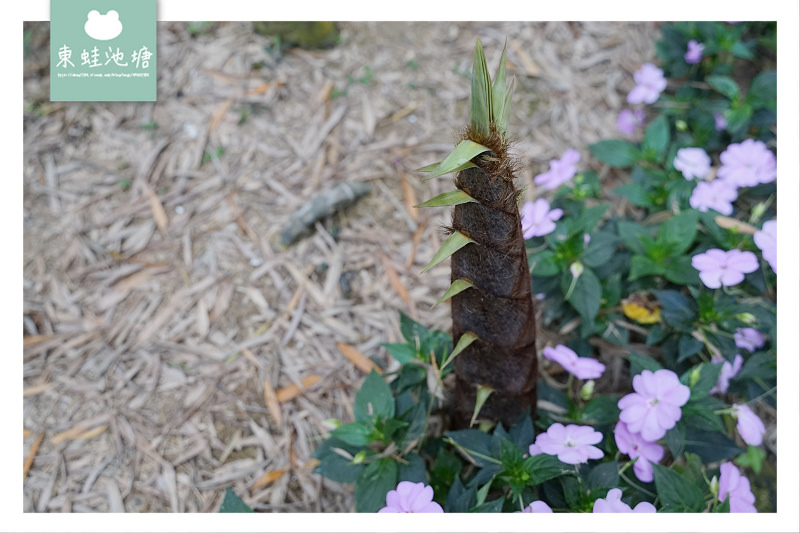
359	458
758	211
694	377
587	390
576	269
747	318
714	486
681	125
331	424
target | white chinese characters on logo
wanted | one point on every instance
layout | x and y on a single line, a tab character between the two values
138	58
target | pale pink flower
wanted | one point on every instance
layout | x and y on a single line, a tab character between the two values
655	406
633	445
749	425
717	195
719	122
411	497
561	170
767	242
629	120
538	219
537	506
726	373
650	82
694	52
580	367
692	162
748	338
718	267
572	444
733	484
613	504
747	164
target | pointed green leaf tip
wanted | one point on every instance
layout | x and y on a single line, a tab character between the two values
483	394
459	285
459	159
454	243
465	340
448	198
480	107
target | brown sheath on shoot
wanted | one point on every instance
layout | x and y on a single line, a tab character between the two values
492	305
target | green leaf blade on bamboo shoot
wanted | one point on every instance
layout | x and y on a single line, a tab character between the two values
465	340
459	285
480	110
454	243
459	159
499	92
455	197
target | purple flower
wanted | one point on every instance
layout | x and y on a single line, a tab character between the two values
749	426
613	504
650	82
694	52
748	338
733	484
692	162
561	170
726	373
633	445
538	219
717	195
767	242
537	506
628	120
719	122
580	367
747	164
571	444
411	497
718	268
655	405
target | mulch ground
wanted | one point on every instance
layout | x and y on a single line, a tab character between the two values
172	348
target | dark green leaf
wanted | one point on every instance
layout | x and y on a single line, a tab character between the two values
642	266
677	309
711	446
402	352
412	331
413	470
697	415
521	433
544	264
494	506
233	503
631	233
374	400
356	433
688	346
634	193
542	467
333	465
679	232
675	439
679	270
656	136
373	484
590	216
394	429
604	475
641	362
460	498
759	365
763	91
481	447
724	85
709	373
600	249
601	410
753	458
677	494
586	295
738	117
615	153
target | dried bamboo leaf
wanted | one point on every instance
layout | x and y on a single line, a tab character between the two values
293	391
361	361
459	285
31	455
394	279
269	477
455	197
454	243
272	403
731	223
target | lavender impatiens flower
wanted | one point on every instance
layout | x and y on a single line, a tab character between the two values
580	367
719	122
633	445
694	52
411	497
737	487
629	120
655	406
650	82
692	162
572	444
748	338
613	504
748	163
726	373
537	506
561	170
538	219
767	242
718	267
717	195
749	425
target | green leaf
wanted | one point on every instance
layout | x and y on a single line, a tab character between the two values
634	193
763	91
586	295
724	85
465	340
738	117
374	400
677	494
688	346
454	243
459	285
656	137
753	458
413	332
601	410
413	470
448	198
642	266
480	398
480	108
679	232
494	506
499	93
615	153
761	365
542	467
233	503
605	475
355	433
335	466
709	373
630	233
458	158
544	264
477	445
502	119
600	249
402	352
711	446
374	483
679	270
677	309
460	498
641	362
590	216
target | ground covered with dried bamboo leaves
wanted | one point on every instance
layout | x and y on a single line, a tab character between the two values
163	326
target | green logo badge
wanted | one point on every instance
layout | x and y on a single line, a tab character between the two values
103	50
